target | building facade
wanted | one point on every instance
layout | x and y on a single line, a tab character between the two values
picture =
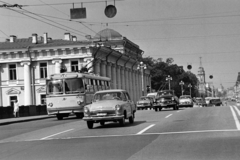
26	63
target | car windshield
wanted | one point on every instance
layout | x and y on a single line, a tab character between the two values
107	96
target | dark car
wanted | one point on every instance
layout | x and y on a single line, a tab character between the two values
215	102
166	99
200	101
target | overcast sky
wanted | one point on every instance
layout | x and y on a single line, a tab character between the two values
184	30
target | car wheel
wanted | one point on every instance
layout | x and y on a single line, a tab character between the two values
59	117
102	123
160	108
90	124
131	119
156	109
122	122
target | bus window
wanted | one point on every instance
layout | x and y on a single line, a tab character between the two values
55	87
74	85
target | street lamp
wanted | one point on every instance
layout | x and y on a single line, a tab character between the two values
142	66
168	78
181	83
190	86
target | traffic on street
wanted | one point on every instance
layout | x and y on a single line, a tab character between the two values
187	133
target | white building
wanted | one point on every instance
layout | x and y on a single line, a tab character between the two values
26	63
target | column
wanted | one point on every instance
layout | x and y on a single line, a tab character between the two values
89	64
123	77
127	80
130	83
27	83
103	68
57	63
114	77
97	67
119	77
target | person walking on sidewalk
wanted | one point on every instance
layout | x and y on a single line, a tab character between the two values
16	109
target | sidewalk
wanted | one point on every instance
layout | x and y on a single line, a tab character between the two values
23	119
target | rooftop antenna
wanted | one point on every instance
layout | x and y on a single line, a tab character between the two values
200	62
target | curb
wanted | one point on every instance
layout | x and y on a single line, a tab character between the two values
11	121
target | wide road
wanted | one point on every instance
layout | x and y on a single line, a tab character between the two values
195	133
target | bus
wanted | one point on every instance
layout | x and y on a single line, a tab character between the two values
67	93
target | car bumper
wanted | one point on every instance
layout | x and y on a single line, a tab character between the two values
104	118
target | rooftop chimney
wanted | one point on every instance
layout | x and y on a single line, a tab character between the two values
74	38
13	38
45	38
34	38
67	36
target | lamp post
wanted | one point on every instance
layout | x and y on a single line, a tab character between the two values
168	78
190	86
181	83
142	66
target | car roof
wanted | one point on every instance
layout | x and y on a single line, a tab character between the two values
185	96
111	90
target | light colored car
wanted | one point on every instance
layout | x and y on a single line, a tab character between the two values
145	103
110	105
185	101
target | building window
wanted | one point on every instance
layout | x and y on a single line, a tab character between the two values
12	72
74	66
43	99
43	70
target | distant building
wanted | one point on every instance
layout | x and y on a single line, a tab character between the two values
27	62
201	78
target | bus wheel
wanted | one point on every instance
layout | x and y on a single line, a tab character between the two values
59	117
79	115
90	124
102	123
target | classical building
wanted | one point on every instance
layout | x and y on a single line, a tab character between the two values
27	62
201	78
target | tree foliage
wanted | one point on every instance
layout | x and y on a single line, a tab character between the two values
160	70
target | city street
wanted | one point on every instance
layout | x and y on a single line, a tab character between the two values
187	133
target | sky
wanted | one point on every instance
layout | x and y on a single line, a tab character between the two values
185	30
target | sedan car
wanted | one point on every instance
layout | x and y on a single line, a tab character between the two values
215	102
110	105
185	101
145	103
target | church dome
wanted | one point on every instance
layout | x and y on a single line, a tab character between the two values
108	34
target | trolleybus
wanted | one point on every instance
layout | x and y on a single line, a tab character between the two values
67	93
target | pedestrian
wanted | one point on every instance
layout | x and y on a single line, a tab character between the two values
16	109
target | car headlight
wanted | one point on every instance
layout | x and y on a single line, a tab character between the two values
118	109
86	111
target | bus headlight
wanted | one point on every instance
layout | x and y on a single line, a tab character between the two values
50	104
79	102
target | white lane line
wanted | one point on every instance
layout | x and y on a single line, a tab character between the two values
237	110
235	118
178	111
145	129
168	115
57	134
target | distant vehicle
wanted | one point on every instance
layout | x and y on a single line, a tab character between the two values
215	102
207	99
185	101
200	101
166	99
67	93
153	95
110	105
238	103
145	102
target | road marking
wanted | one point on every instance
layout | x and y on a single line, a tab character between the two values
57	134
237	110
168	115
235	118
178	111
146	129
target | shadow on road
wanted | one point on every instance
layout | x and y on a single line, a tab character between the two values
117	125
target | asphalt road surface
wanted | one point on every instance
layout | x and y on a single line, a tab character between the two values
209	133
